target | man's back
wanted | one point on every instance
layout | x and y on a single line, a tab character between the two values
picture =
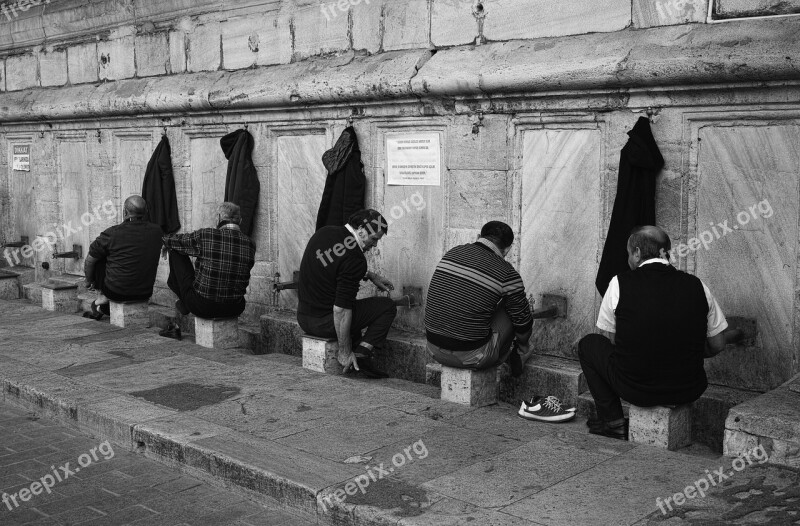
661	322
464	293
330	271
225	257
131	251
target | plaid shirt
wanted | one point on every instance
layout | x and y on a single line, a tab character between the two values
224	259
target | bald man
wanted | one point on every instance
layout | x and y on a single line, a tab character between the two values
658	325
123	260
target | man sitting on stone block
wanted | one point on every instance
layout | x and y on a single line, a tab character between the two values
123	261
331	271
476	305
217	283
659	324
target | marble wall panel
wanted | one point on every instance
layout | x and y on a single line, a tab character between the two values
748	176
208	171
301	179
133	154
75	188
559	230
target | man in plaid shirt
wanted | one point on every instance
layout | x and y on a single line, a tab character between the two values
215	286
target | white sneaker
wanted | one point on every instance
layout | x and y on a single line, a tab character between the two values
545	409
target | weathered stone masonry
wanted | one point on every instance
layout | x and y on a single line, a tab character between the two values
532	105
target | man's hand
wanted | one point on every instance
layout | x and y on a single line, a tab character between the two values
525	351
347	359
89	284
383	284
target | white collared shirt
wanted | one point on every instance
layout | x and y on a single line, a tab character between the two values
492	246
355	235
607	321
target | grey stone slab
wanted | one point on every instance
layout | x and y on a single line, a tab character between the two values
55	395
52	357
11	368
115	418
502	420
775	414
452	512
621	490
438	452
110	364
358	434
516	474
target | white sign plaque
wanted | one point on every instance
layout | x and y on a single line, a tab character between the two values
21	160
414	159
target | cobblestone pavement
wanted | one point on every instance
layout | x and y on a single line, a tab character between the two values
102	485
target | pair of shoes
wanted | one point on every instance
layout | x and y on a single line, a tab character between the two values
618	431
97	313
172	331
180	307
366	363
546	409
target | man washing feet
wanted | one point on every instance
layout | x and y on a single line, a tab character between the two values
659	324
217	283
331	271
123	261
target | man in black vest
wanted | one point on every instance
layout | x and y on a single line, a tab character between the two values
659	324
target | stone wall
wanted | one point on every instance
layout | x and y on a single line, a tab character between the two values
531	104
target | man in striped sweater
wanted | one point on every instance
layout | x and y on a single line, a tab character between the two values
476	305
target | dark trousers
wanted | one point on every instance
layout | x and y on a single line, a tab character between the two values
594	351
374	314
181	282
100	284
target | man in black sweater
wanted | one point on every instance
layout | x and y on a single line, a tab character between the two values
331	271
658	325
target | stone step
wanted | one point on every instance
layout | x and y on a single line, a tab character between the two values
709	413
33	293
770	420
543	376
250	337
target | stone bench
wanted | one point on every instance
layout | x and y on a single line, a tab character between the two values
468	387
60	297
667	427
217	333
130	314
319	354
9	286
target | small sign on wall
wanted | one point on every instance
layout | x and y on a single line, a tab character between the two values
414	159
21	161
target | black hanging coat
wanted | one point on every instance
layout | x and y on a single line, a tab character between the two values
241	185
635	204
346	185
158	190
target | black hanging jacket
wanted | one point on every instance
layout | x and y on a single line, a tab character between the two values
639	164
345	185
241	185
158	190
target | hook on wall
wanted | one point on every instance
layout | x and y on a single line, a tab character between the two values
246	125
99	136
164	132
652	114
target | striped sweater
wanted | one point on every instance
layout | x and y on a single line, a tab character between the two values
467	286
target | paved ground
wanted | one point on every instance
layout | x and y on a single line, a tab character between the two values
303	437
118	488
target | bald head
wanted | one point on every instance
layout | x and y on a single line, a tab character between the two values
647	242
135	206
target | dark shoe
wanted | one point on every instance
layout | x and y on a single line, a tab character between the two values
594	423
181	308
515	362
618	431
172	331
96	313
368	369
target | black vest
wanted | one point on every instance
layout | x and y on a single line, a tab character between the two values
661	334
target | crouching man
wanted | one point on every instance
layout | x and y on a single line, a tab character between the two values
217	283
123	260
659	325
331	271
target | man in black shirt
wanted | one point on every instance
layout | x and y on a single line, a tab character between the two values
658	325
332	268
123	260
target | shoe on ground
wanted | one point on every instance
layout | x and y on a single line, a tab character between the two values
545	409
618	431
96	313
368	369
172	331
180	307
